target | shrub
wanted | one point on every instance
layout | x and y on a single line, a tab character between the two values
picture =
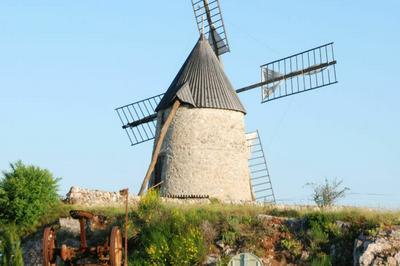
293	246
209	233
26	193
321	260
323	233
149	204
165	237
230	230
10	250
318	238
186	248
327	194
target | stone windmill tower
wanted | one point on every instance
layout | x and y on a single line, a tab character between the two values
198	124
204	151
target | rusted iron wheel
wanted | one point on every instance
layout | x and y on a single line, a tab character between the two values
115	247
48	245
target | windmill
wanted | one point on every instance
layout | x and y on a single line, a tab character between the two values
201	149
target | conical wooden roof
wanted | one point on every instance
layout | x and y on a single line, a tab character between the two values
202	83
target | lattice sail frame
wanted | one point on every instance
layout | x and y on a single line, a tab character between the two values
138	119
260	177
308	70
209	21
294	74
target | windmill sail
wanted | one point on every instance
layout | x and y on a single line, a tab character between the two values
210	22
291	75
260	178
138	119
308	70
301	72
217	43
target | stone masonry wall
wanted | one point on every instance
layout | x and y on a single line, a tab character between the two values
205	153
99	198
87	197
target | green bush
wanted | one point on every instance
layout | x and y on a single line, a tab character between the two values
187	248
293	246
230	230
318	238
149	204
326	194
26	193
166	236
323	233
322	260
10	250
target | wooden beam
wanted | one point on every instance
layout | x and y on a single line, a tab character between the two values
159	142
290	75
211	27
141	121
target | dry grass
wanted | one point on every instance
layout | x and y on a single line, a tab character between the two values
346	214
207	211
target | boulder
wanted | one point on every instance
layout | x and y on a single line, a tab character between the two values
380	249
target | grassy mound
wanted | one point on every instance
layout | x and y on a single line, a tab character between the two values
176	234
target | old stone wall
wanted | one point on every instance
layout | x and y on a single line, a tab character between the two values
98	198
88	197
205	153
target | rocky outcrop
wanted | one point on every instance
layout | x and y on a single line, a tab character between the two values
383	248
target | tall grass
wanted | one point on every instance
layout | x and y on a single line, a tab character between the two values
167	233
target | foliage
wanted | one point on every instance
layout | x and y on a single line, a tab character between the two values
284	213
166	237
215	201
321	260
230	230
10	250
324	236
327	194
149	204
181	234
26	193
209	233
294	246
318	237
239	228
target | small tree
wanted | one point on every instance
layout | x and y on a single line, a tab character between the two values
26	193
327	194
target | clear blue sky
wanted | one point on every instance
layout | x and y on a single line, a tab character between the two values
65	66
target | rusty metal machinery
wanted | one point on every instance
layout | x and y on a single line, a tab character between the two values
108	253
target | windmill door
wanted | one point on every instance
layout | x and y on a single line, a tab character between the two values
158	170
